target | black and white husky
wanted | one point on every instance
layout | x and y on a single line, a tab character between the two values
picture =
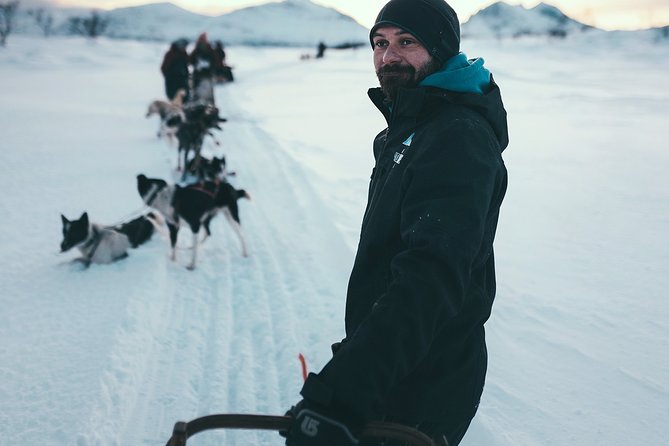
195	205
214	169
105	244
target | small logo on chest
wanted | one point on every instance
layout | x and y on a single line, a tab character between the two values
409	139
399	155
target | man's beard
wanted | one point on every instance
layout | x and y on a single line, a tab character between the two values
394	77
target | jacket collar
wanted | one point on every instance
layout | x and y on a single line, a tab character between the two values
408	104
412	103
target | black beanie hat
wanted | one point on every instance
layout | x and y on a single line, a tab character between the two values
433	22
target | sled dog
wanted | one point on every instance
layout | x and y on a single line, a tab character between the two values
200	120
105	244
208	169
170	113
196	205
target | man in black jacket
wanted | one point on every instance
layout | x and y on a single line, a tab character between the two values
423	281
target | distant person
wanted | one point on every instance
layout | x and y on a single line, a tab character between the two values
175	69
223	70
423	279
204	60
320	51
220	50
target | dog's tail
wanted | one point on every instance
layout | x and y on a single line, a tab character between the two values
152	110
158	223
140	229
156	219
241	193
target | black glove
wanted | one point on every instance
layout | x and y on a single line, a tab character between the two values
316	426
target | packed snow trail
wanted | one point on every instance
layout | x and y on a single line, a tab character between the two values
225	338
176	344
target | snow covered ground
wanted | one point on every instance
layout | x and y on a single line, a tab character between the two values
114	355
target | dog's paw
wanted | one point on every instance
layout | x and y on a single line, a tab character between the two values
80	264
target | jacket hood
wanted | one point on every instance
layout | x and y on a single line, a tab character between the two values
489	105
460	74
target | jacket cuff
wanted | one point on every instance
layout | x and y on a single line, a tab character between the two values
337	346
317	391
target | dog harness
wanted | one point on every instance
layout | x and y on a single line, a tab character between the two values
200	187
91	244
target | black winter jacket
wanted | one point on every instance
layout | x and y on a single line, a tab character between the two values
423	281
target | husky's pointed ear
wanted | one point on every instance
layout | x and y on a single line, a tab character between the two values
84	218
64	219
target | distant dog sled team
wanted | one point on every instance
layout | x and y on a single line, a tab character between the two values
188	115
207	63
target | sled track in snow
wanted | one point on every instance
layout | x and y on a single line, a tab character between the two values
225	337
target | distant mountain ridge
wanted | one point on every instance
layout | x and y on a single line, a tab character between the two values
287	23
303	23
503	20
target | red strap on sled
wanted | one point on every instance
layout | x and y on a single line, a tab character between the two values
304	366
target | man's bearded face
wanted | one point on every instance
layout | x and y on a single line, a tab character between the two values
393	77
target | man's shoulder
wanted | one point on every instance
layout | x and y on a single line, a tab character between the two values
451	120
454	126
481	113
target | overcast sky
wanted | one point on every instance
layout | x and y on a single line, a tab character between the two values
607	14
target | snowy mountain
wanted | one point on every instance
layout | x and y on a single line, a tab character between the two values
287	23
503	20
156	21
303	23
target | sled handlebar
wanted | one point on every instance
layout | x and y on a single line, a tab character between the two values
381	430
